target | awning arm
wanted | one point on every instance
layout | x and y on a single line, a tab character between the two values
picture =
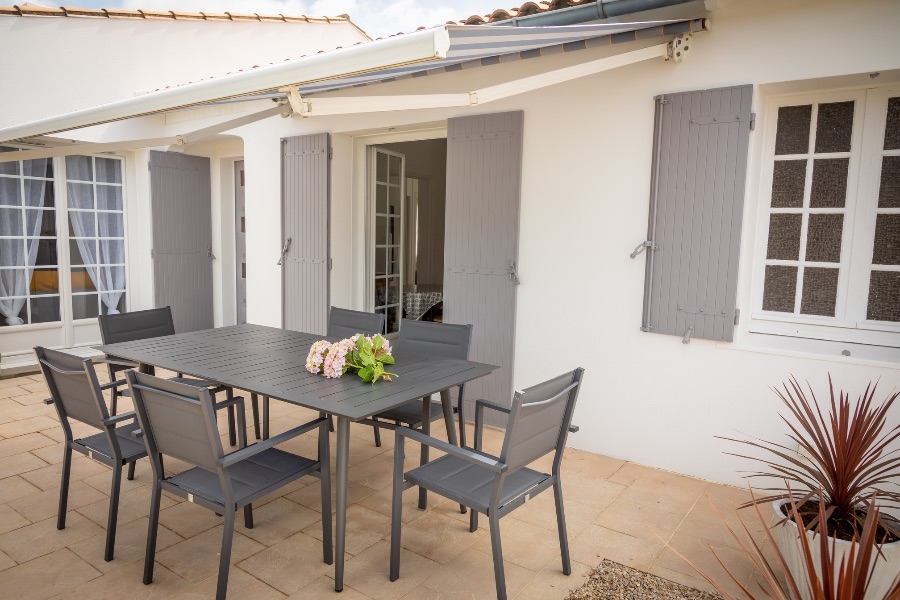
674	50
175	140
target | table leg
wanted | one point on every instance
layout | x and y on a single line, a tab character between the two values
426	429
447	405
265	418
340	517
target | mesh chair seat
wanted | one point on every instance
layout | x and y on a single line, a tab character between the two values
410	413
471	484
268	469
130	447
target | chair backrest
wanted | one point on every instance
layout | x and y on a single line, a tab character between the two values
539	420
137	325
437	339
178	420
343	323
73	387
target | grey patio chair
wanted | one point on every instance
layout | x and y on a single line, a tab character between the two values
540	419
142	325
342	323
179	421
76	394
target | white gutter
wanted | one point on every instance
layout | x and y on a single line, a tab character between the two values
419	46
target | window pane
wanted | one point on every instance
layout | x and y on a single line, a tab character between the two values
819	291
823	238
780	288
109	170
394	260
381	167
111	224
784	237
394	172
381	198
829	183
393	292
380	291
394	231
120	306
887	240
834	127
889	192
46	252
79	168
380	261
109	197
884	296
788	183
393	319
40	223
381	231
8	168
892	127
81	195
81	280
45	310
792	136
23	313
10	194
12	282
39	167
394	201
81	224
75	251
85	306
112	252
11	221
12	253
44	281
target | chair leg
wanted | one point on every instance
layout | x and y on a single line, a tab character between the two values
396	509
497	552
331	423
254	401
64	488
113	516
447	407
473	521
377	431
462	419
561	527
150	555
225	555
325	483
265	418
248	516
113	401
423	457
131	467
232	430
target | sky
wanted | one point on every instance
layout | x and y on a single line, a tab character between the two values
378	18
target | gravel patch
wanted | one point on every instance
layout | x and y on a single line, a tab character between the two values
612	581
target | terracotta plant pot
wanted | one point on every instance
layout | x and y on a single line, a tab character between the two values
786	535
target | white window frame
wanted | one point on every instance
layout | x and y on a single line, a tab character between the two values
849	323
372	247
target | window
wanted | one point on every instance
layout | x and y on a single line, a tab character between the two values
29	272
388	177
832	219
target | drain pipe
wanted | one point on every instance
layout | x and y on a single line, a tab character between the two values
601	9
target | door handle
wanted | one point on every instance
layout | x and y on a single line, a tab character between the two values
284	250
513	273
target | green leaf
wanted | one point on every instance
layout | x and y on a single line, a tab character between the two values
377	342
386	359
366	373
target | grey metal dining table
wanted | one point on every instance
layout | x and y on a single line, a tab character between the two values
272	362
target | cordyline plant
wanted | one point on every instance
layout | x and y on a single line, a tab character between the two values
846	578
848	460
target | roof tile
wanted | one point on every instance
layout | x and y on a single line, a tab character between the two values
120	13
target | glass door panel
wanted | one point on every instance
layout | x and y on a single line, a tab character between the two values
388	178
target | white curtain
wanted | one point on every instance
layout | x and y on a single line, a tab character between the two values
109	280
16	253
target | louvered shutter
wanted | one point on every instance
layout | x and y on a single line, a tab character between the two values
696	208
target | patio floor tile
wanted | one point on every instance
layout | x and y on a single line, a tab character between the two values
126	582
289	564
436	536
32	541
471	575
131	544
369	576
48	576
278	520
197	558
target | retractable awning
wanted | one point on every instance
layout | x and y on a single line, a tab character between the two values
437	50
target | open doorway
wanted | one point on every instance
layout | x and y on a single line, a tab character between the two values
407	196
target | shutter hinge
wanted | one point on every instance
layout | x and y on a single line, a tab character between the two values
330	152
643	246
330	264
737	316
752	121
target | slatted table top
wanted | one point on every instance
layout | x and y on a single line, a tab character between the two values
272	362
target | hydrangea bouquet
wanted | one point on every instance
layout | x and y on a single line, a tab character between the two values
365	356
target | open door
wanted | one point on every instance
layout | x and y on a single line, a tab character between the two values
484	164
180	199
305	232
240	244
388	178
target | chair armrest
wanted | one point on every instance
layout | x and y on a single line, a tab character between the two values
118	362
236	401
466	454
111	384
245	453
493	405
119	418
480	405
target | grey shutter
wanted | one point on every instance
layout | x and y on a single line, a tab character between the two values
484	165
304	218
182	238
696	208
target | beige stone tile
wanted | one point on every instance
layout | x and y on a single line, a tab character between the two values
23	443
240	585
50	476
17	464
14	381
375	473
322	588
290	564
32	541
13	410
131	544
187	519
311	494
133	504
381	502
439	537
541	511
126	581
31	425
36	387
667	492
34	398
552	584
6	562
524	544
10	519
700	553
695	581
364	528
52	454
596	543
278	520
423	593
639	520
48	576
584	488
15	487
629	472
588	463
13	391
478	581
369	572
197	558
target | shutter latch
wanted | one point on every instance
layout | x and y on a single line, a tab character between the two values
643	246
